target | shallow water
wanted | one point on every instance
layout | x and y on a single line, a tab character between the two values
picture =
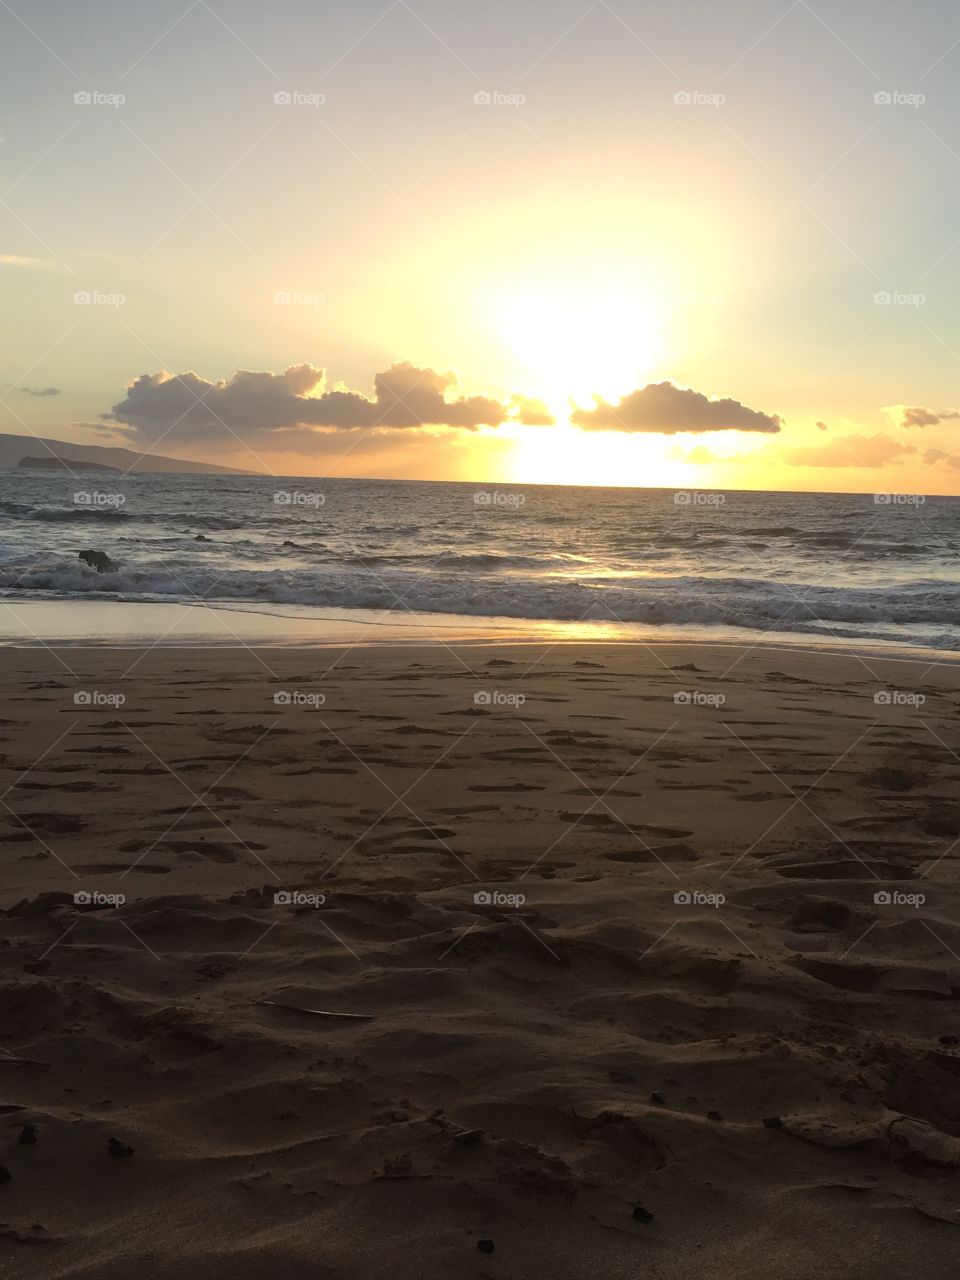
840	566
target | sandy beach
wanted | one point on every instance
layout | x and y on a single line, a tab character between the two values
651	955
479	641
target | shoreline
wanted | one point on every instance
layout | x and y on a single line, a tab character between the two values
181	626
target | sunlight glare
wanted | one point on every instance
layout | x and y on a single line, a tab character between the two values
580	346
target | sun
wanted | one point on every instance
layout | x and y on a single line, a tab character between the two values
555	296
577	346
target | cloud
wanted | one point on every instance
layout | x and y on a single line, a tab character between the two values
663	408
18	260
294	403
933	456
699	454
40	391
917	416
850	451
530	413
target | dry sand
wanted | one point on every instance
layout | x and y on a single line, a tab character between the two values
526	1072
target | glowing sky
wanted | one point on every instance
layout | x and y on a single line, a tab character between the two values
552	202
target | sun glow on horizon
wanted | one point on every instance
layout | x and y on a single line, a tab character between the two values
567	455
562	299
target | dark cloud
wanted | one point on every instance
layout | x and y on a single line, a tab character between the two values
917	416
665	409
850	451
40	391
285	407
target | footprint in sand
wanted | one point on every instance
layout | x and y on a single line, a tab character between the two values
505	787
72	787
57	824
115	868
665	853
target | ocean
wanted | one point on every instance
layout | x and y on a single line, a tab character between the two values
873	568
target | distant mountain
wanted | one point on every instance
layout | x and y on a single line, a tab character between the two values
49	463
19	451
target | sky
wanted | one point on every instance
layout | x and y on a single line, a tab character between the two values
688	244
